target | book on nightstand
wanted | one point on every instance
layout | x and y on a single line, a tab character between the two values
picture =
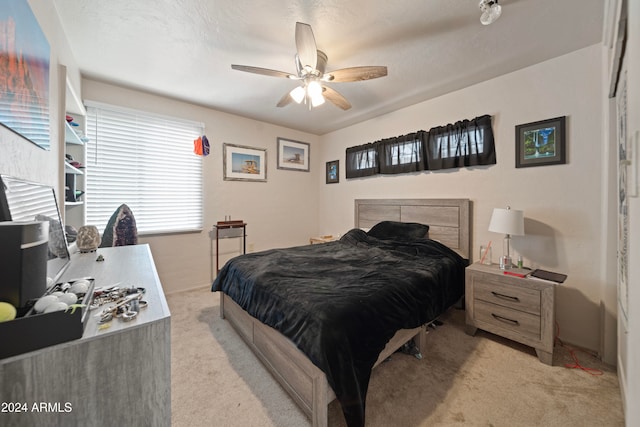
548	275
517	272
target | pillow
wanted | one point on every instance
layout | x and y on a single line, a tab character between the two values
394	230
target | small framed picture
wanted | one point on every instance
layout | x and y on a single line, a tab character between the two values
541	143
293	155
241	163
333	172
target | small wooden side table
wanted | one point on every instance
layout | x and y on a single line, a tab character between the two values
229	230
521	309
322	239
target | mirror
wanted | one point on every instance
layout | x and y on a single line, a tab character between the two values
27	201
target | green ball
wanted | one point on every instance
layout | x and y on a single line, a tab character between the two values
7	312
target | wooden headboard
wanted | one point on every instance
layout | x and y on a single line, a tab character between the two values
448	219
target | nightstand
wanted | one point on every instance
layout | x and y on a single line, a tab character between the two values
520	309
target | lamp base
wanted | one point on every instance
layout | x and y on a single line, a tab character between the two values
505	262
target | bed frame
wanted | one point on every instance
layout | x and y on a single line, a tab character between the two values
449	223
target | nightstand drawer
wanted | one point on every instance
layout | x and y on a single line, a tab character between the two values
524	324
518	298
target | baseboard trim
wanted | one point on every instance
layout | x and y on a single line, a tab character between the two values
192	288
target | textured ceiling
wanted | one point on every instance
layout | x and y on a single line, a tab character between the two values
184	48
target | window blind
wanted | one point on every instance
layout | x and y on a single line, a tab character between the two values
147	162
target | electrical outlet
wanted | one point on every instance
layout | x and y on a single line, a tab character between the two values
250	247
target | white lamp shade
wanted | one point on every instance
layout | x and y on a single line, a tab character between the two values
507	221
317	100
314	89
297	94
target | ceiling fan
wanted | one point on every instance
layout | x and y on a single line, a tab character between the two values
310	66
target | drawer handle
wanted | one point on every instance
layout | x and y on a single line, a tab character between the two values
503	296
504	319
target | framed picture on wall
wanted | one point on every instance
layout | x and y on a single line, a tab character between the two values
541	143
333	172
293	155
24	94
241	163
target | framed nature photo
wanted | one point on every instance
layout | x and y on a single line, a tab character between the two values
333	172
241	163
541	143
293	155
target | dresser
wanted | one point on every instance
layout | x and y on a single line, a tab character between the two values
521	309
120	375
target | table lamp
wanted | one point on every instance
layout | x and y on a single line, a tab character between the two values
88	238
509	222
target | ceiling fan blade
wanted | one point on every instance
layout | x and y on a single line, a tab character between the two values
263	71
306	45
333	96
285	100
354	74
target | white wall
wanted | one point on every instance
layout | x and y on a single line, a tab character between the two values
280	212
561	203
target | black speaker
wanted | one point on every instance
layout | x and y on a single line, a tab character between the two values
23	261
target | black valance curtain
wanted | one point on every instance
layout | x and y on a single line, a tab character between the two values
464	143
362	161
402	154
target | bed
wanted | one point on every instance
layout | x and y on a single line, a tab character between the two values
364	296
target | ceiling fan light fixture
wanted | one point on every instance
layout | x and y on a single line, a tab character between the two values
310	72
491	11
317	100
298	94
314	89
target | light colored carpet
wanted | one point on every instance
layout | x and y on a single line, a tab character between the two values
473	381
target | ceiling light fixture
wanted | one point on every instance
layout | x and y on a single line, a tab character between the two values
491	11
310	93
314	90
310	72
298	94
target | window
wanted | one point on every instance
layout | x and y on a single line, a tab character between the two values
362	160
402	154
147	162
452	145
464	143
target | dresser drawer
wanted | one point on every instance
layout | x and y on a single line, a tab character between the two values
516	297
518	322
